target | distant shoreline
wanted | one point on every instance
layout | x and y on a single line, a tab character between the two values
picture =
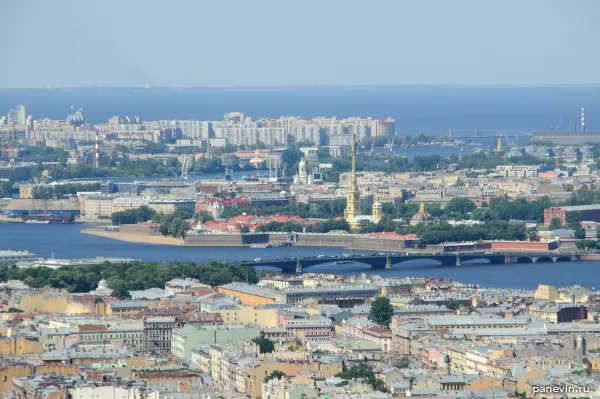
313	86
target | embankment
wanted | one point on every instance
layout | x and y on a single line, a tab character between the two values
145	234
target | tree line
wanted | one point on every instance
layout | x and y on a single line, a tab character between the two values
174	224
123	278
57	191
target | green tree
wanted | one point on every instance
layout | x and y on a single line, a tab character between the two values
381	311
244	229
461	206
579	233
533	235
265	344
453	305
573	219
555	224
275	374
597	233
204	216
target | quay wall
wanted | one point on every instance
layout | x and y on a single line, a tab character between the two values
302	240
214	240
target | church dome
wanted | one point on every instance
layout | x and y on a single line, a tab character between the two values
102	284
422	215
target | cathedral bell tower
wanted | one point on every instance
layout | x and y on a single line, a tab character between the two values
353	196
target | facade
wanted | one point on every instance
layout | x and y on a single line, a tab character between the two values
125	308
312	329
264	317
250	295
517	171
557	313
189	337
329	294
157	333
131	335
588	213
171	205
149	294
98	206
555	212
121	204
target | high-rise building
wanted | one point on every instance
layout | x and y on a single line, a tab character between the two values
13	116
21	117
16	116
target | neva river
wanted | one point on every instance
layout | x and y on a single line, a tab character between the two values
65	241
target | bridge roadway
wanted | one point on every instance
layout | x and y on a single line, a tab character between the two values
386	261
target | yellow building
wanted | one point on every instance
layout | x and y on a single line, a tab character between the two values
546	293
171	205
250	295
54	302
26	191
19	345
266	318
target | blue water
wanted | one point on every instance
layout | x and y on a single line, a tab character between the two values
66	242
434	109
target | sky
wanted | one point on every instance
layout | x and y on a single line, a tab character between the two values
233	43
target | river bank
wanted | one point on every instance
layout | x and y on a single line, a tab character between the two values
133	237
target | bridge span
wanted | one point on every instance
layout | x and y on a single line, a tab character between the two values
297	265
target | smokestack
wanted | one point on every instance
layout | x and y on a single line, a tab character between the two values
582	120
97	157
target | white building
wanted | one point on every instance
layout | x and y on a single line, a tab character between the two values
518	171
113	392
179	285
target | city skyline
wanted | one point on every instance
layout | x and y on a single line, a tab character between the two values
266	44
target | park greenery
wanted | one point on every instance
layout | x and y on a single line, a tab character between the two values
320	227
362	371
275	374
123	278
174	224
6	189
265	345
381	311
322	210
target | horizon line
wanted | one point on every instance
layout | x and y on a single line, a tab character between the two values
308	86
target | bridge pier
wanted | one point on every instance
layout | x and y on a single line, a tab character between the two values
554	259
534	259
388	263
298	266
457	260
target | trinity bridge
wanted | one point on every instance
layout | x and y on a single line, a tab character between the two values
387	261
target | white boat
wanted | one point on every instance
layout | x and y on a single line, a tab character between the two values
33	221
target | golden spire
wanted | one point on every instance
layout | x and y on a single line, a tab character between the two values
422	206
353	154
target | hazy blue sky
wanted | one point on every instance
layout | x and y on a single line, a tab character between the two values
298	42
